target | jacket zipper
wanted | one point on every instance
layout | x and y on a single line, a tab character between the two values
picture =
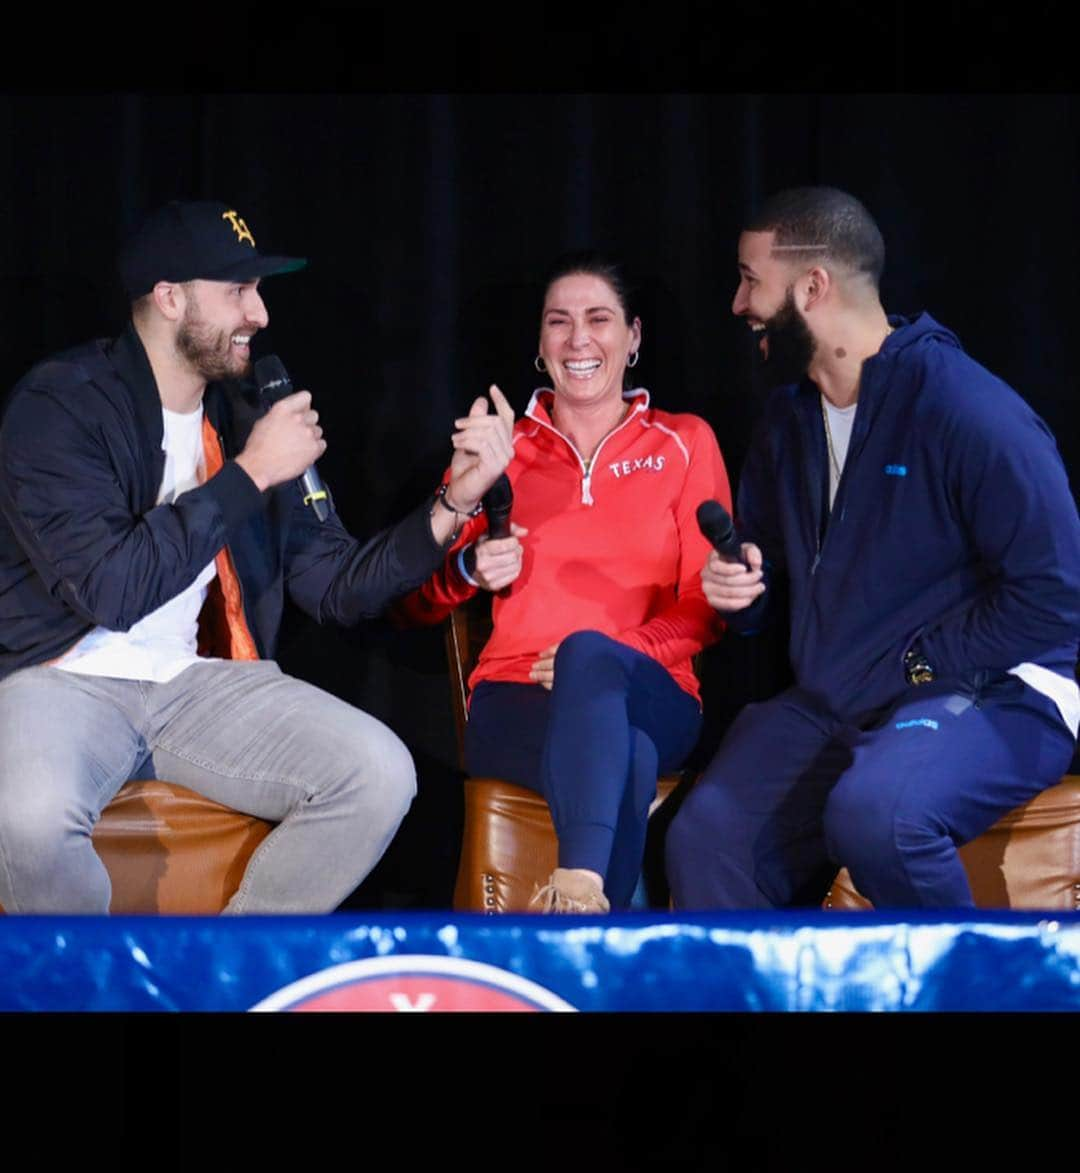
587	465
859	434
870	404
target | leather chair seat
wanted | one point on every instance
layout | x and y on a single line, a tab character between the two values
510	845
1030	858
169	850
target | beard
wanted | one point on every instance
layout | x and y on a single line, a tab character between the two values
209	351
791	345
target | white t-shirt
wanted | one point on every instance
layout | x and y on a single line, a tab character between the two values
839	422
162	644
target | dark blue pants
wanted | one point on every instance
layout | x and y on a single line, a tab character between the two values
592	746
793	794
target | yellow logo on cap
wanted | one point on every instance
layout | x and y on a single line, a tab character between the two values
243	232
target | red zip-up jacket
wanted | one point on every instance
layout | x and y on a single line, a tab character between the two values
613	547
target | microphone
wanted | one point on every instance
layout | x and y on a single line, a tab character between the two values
716	525
274	384
497	502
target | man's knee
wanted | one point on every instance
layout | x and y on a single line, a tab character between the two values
397	779
689	832
380	778
868	824
701	832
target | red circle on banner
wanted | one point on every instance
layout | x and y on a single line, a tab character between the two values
414	983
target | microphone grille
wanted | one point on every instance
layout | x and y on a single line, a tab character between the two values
714	520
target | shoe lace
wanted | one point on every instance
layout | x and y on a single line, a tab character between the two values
551	898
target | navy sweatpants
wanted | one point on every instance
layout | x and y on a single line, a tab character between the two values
592	746
792	795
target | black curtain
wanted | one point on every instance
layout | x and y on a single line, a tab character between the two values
427	219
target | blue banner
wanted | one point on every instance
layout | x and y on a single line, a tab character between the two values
803	961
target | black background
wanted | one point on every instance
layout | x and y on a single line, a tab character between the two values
428	209
430	165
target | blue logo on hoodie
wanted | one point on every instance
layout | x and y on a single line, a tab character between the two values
896	470
925	722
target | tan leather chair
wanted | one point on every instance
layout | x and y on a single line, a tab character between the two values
509	845
1028	859
169	850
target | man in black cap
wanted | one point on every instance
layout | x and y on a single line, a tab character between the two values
149	520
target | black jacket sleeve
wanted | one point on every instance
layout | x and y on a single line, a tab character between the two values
335	578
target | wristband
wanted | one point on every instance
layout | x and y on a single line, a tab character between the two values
444	500
466	563
460	517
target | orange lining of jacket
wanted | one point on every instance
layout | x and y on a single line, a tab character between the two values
223	630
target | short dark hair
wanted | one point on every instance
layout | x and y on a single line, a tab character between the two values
825	217
597	264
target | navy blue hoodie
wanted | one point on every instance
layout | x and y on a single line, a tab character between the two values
953	523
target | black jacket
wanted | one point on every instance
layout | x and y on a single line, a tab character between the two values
82	543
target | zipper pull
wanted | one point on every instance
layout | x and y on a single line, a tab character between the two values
586	489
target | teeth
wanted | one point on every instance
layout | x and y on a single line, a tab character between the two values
586	365
241	339
758	328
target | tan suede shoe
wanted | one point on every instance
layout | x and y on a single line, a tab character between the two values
566	892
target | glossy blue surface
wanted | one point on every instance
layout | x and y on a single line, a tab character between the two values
804	961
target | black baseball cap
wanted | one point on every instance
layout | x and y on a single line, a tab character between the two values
197	239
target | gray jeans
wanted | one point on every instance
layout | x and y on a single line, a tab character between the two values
337	781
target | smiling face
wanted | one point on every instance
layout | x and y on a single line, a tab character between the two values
220	318
765	297
585	338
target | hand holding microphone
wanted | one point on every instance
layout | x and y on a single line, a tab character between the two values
287	440
731	578
494	562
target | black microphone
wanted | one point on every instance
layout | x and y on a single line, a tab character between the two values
497	502
274	384
715	523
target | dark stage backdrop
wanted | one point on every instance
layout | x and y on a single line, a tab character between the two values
427	220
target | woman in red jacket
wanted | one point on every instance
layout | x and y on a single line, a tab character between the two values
586	690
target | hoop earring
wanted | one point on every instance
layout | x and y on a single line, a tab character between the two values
632	360
538	362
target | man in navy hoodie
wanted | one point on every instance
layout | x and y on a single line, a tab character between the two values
917	513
